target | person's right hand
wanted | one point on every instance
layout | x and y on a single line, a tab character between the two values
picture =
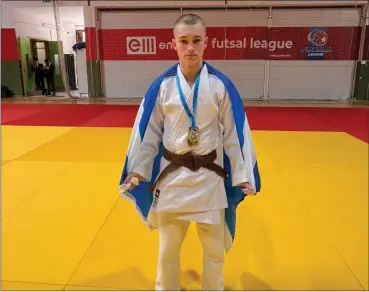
131	175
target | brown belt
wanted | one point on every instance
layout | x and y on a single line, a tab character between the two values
191	161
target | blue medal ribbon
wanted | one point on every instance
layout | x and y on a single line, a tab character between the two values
195	98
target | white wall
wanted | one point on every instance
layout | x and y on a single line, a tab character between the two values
169	3
218	3
68	36
27	24
35	19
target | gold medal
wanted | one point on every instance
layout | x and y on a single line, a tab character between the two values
193	137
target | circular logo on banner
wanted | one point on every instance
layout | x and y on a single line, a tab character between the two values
318	38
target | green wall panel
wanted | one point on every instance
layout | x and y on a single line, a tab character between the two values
11	76
26	52
55	60
94	78
361	91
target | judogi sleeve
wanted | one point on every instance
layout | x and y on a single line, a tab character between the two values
231	144
149	146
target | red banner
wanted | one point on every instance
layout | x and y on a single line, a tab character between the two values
9	49
236	43
91	43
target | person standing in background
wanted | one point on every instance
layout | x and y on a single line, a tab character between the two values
35	70
49	75
41	78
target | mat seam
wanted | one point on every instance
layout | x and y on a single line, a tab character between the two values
331	242
90	245
36	192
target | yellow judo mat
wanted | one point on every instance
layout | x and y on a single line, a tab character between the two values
64	225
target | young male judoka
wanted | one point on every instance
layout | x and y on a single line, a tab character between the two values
190	158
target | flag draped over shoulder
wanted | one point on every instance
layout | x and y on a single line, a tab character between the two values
142	197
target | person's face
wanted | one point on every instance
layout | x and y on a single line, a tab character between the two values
190	41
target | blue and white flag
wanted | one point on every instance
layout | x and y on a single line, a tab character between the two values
143	198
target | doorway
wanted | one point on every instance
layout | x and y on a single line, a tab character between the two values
40	50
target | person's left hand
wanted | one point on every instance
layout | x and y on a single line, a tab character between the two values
247	188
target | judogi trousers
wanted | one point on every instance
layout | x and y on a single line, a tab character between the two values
172	232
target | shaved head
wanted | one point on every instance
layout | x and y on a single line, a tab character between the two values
189	19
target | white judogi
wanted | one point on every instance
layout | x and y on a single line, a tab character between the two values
185	195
